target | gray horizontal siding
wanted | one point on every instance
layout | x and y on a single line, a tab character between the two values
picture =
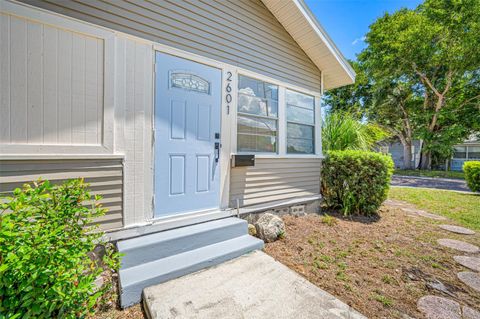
274	179
242	33
104	176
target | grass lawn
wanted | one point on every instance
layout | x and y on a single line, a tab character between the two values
461	207
442	174
379	265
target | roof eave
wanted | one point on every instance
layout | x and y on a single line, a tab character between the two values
319	47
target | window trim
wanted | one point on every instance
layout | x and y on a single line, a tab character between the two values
313	139
245	114
282	118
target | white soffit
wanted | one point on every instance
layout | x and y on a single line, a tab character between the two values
302	25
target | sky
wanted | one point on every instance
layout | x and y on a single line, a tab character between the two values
347	21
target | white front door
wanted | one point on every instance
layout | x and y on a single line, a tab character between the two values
187	136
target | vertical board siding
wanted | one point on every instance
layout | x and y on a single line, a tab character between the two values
18	80
64	87
274	179
52	84
242	33
133	130
104	176
5	78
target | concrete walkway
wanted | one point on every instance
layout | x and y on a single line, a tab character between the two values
251	286
430	182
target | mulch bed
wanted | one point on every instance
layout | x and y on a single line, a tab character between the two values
109	308
379	265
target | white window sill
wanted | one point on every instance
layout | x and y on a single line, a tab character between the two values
299	156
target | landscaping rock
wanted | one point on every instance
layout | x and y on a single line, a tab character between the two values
252	231
269	227
470	262
434	307
457	229
97	255
395	203
469	313
470	279
439	286
98	283
458	245
423	213
252	218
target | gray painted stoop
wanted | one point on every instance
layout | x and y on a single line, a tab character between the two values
159	257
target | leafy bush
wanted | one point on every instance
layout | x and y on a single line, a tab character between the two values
356	182
45	241
472	175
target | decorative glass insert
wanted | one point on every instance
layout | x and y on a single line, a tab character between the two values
257	116
300	123
190	82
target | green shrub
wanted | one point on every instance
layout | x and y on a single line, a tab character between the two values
342	131
45	238
472	175
356	182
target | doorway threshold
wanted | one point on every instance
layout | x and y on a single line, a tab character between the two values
169	222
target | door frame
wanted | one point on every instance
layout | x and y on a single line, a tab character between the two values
225	123
228	120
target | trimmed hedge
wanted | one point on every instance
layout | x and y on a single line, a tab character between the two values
356	182
472	175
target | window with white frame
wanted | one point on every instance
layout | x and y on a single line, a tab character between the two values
460	152
257	116
474	152
300	122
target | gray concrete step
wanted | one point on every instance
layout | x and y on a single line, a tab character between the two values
144	249
159	257
254	286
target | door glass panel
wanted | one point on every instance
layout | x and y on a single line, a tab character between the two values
189	82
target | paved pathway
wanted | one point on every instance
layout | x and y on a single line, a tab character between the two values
251	286
430	182
434	307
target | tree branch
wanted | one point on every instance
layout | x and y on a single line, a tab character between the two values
469	100
425	79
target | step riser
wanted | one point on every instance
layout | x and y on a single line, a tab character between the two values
161	249
132	294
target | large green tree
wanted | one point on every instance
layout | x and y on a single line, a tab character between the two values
352	99
393	107
435	48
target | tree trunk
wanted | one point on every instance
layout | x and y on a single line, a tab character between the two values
407	155
426	160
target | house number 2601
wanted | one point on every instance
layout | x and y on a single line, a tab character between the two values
228	90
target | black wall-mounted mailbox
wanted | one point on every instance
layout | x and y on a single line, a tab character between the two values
243	160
